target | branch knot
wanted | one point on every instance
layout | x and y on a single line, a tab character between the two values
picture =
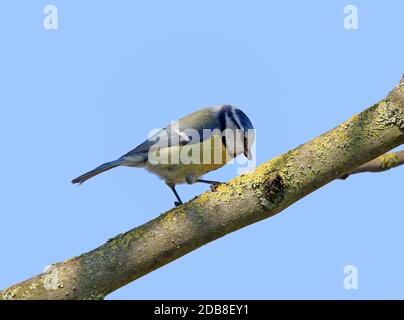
273	188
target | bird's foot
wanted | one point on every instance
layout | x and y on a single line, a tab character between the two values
178	203
214	186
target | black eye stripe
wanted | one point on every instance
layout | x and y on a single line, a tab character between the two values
224	141
222	121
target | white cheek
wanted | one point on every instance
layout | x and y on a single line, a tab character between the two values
234	141
237	119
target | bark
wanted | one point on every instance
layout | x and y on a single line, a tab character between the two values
272	187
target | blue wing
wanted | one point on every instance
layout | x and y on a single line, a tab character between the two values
194	128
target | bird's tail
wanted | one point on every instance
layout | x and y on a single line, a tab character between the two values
104	167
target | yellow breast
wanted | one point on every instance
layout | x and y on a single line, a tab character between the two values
175	163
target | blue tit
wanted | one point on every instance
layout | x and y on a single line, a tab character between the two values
187	149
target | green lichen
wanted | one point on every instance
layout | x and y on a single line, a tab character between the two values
9	294
95	296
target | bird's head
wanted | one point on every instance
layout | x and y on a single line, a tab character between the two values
237	130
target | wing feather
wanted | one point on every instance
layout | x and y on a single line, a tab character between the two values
194	128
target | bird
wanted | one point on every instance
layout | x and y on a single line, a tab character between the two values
190	147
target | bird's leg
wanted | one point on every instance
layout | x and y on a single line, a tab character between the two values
214	184
179	202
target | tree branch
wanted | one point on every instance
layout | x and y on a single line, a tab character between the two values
382	163
249	198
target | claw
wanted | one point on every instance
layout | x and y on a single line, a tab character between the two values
214	186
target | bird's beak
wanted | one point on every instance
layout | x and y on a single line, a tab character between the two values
247	148
247	153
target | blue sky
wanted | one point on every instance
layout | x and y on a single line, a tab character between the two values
91	90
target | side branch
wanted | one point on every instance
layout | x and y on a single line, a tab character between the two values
383	163
272	187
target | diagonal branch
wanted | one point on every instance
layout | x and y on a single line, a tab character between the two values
383	163
271	188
